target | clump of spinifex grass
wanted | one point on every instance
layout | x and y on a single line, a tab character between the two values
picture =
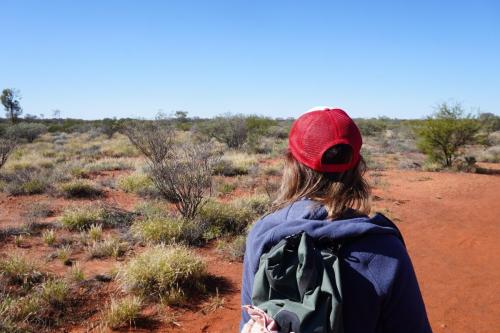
80	189
84	217
111	247
169	273
122	312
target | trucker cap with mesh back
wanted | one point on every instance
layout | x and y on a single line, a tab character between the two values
319	129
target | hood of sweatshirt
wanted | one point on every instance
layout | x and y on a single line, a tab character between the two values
306	215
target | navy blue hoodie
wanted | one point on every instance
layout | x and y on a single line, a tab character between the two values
380	290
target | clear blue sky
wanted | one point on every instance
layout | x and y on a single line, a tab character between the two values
95	59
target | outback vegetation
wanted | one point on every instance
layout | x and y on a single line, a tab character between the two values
144	216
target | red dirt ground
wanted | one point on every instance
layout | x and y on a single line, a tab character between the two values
451	224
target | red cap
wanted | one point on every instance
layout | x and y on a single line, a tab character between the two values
319	129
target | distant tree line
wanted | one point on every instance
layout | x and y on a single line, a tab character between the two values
441	136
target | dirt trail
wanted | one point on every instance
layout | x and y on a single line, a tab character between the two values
451	223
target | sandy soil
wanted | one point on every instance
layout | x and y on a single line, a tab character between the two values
450	222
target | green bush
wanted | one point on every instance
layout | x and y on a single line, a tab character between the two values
443	136
169	273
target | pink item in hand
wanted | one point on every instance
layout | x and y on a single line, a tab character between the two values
259	321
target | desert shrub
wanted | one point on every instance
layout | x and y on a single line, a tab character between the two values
111	247
236	130
27	131
137	183
229	129
6	148
80	189
49	237
224	219
181	173
19	270
26	181
442	136
233	249
109	127
122	312
169	273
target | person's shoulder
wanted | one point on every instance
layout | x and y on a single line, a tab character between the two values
384	256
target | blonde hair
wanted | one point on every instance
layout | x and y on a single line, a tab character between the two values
339	193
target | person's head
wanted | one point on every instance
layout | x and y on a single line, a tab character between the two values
324	164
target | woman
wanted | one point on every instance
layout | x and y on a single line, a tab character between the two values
323	193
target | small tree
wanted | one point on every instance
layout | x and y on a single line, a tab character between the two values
443	135
181	172
11	101
109	126
229	129
6	147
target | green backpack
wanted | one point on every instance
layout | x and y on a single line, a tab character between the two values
298	285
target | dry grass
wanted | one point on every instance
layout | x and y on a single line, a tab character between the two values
164	272
122	312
